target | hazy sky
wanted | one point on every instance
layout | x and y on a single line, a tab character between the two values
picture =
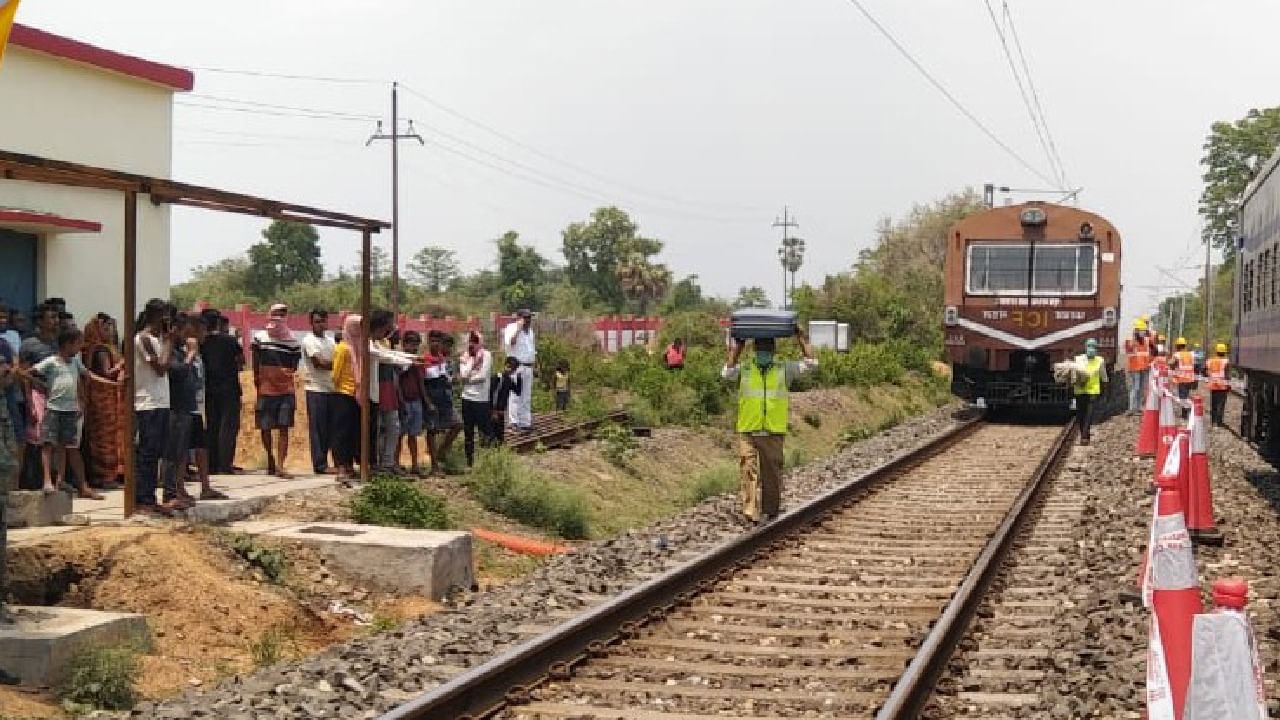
701	117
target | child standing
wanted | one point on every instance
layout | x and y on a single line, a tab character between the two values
562	386
60	376
411	405
503	387
439	400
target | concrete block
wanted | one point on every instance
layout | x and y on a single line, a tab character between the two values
39	645
32	508
217	512
427	562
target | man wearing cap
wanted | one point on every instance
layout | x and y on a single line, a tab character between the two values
276	354
1091	376
1219	385
518	342
1184	368
1138	354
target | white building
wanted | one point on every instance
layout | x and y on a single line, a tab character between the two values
67	100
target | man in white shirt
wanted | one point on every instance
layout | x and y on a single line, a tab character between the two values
475	367
317	363
519	343
153	349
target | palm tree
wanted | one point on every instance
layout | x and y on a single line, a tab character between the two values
643	282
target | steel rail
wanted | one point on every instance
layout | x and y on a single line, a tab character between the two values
557	434
484	690
916	685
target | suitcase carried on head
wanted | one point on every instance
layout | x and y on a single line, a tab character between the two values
758	323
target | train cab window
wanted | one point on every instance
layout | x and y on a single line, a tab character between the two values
998	268
1064	269
1006	268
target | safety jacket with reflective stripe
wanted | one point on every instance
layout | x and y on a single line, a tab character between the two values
763	400
1139	354
1218	373
1186	370
1090	382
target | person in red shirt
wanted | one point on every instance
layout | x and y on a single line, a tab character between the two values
675	355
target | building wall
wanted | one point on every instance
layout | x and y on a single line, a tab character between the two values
65	111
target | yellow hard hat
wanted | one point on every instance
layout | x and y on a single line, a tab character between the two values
1140	324
1144	318
1197	346
1180	341
1220	348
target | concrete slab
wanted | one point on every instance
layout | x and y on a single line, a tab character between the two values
38	647
249	494
429	562
33	508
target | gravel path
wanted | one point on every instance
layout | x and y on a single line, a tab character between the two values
365	677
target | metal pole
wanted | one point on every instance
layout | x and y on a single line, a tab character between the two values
130	305
395	202
1207	295
362	350
1182	315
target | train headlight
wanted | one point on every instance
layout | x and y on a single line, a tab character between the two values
951	316
1109	317
1033	216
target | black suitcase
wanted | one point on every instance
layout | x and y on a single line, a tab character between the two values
756	323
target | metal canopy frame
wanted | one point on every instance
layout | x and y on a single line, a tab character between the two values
36	169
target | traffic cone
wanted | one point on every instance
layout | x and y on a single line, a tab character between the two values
1184	467
1226	675
1168	430
1171	590
1200	489
1149	427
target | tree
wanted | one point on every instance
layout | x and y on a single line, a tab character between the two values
751	297
433	267
685	295
522	272
1233	153
643	282
222	284
594	249
288	255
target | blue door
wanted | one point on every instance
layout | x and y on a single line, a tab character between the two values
18	269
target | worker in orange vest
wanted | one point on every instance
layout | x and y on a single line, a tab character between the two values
1138	353
1184	368
1219	385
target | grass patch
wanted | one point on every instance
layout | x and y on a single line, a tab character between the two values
397	502
718	480
383	624
793	457
813	420
502	486
619	443
102	679
269	560
276	643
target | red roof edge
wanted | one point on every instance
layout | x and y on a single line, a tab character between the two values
177	78
26	217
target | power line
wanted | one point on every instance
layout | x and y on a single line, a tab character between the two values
260	111
1035	95
1022	92
283	76
947	94
293	108
564	163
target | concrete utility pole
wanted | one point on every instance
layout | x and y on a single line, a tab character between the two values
1208	298
395	137
791	254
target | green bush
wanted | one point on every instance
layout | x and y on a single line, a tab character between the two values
618	442
269	560
587	406
502	486
102	679
718	480
399	503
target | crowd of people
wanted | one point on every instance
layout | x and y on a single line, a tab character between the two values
62	419
1186	365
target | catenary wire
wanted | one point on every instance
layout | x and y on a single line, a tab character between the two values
1035	95
948	95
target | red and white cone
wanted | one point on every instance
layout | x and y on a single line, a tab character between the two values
1168	430
1200	488
1226	676
1171	590
1149	427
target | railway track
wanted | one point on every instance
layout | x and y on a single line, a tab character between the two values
814	615
555	429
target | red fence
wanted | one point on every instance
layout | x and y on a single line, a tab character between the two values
611	333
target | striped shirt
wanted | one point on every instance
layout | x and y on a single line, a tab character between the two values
275	361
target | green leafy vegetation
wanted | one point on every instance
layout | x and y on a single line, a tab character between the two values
504	486
398	502
276	643
618	443
102	679
718	480
270	560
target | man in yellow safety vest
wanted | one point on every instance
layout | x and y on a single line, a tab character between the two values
1138	354
1219	385
1184	368
763	414
1091	376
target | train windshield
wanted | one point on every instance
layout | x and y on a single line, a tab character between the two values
1008	269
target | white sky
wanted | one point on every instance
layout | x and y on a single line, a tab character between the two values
732	107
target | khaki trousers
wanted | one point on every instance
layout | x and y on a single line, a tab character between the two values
760	461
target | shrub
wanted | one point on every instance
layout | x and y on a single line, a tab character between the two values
618	442
102	678
275	644
718	480
269	560
399	503
502	486
588	406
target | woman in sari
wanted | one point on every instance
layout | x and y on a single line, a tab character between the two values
103	428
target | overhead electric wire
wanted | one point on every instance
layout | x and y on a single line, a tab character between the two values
284	76
260	111
948	95
1035	95
294	108
1026	101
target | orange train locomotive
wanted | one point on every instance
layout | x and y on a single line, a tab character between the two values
1025	286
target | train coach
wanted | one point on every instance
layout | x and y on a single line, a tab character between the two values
1025	286
1255	346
